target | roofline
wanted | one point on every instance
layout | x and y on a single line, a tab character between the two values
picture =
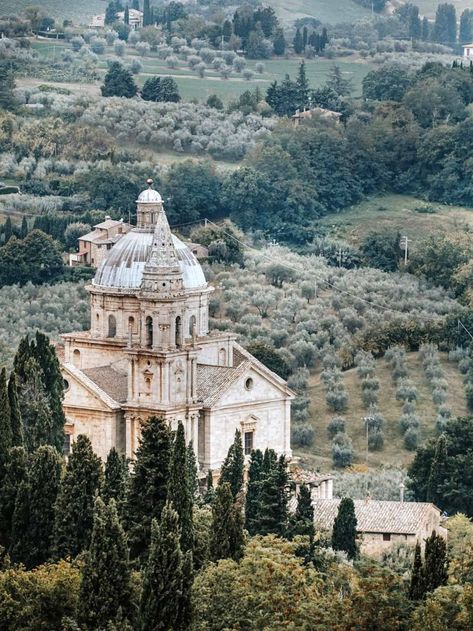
91	386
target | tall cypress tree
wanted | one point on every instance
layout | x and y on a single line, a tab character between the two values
425	35
192	471
302	522
438	470
105	590
126	17
179	493
416	585
147	17
435	563
6	437
298	43
8	229
34	406
344	529
24	228
7	98
148	484
74	513
302	87
115	479
233	466
16	421
272	513
33	527
253	491
226	541
166	579
15	473
209	494
45	354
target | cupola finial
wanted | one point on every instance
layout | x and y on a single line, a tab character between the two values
149	182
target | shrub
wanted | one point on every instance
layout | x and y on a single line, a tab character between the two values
342	451
406	391
248	74
469	396
369	398
411	438
439	396
303	435
409	421
259	67
336	426
376	440
337	400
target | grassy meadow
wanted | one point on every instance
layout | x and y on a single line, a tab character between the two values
394	453
399	212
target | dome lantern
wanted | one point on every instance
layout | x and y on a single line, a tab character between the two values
149	204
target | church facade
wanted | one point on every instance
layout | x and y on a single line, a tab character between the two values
149	352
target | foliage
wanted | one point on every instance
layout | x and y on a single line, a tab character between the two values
119	82
344	529
226	540
180	492
36	259
160	89
232	468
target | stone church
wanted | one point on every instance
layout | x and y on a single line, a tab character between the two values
149	352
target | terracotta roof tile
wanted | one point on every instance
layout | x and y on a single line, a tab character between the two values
212	381
112	382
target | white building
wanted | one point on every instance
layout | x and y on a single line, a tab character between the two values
468	51
135	20
149	352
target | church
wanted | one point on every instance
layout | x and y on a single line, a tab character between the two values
149	352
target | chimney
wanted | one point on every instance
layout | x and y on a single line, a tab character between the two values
367	499
401	491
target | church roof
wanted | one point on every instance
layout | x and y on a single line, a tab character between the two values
213	381
112	382
378	516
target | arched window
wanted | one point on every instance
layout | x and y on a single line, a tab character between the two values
192	324
222	357
76	358
131	323
149	331
112	326
178	331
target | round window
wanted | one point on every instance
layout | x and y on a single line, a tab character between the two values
249	383
66	385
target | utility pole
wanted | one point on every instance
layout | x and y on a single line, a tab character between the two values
366	420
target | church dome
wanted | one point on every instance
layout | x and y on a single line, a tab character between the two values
150	196
124	265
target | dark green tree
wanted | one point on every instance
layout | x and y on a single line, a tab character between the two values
253	492
344	529
7	85
425	35
6	434
415	25
270	357
8	230
272	516
24	228
36	259
445	27
192	471
209	494
233	466
382	250
305	37
390	82
227	30
416	585
105	590
115	480
75	503
179	491
119	82
302	522
135	4
435	563
298	42
302	87
111	11
226	539
279	42
165	597
126	17
466	27
337	83
160	89
15	473
35	408
33	524
148	484
147	15
437	470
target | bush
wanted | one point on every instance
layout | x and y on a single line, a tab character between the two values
469	396
406	391
376	440
342	451
409	421
337	400
439	396
303	435
369	398
411	439
336	426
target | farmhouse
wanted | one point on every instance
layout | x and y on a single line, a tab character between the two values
94	245
382	523
149	352
321	112
468	51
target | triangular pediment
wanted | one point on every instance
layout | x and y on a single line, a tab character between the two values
83	393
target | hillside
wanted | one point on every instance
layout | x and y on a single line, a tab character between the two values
394	453
429	7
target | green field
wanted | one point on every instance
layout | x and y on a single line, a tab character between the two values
80	11
396	212
191	86
394	453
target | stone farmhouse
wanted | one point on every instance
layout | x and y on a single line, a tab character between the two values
94	246
149	352
382	523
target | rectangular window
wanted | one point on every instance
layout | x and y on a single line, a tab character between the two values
67	444
386	536
248	443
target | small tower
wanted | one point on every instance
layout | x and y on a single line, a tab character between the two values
149	204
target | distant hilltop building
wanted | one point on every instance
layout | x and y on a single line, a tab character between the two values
135	20
94	245
321	112
468	51
149	352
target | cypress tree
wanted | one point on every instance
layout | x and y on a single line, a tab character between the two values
435	563
233	466
226	540
45	354
298	43
192	471
425	34
209	494
24	228
135	4
344	529
148	484
304	37
105	590
272	515
438	471
74	513
16	421
147	18
416	586
7	98
115	480
253	491
119	82
32	536
6	437
279	42
166	579
180	494
8	230
302	87
302	523
15	473
35	409
126	17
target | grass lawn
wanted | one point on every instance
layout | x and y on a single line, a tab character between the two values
398	212
193	87
394	453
